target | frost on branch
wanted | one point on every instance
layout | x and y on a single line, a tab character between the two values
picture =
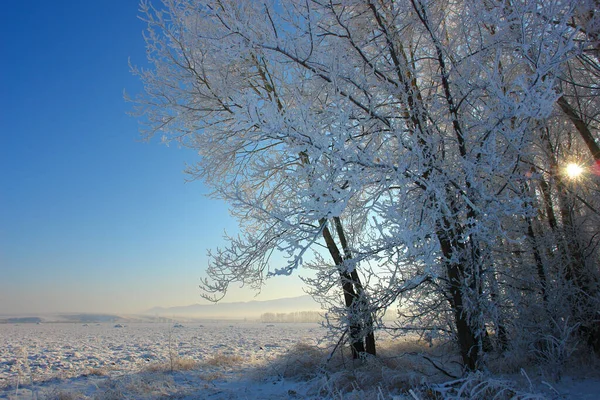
408	152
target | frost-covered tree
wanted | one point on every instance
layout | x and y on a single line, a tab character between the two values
404	139
248	159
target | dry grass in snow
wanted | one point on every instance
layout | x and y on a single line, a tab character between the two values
175	364
223	360
404	368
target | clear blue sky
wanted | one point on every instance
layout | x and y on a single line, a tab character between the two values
91	218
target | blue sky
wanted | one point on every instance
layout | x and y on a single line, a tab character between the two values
91	218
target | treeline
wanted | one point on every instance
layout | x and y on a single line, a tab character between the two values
300	316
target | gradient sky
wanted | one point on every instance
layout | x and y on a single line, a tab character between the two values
91	218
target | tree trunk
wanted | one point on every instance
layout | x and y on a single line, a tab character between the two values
581	127
365	311
468	341
357	344
538	260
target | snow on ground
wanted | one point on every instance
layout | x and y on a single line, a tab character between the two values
87	358
236	360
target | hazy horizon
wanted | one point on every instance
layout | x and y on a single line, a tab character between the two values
36	303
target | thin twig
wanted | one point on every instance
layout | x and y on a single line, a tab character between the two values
336	346
443	371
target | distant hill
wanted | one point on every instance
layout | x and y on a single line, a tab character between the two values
250	309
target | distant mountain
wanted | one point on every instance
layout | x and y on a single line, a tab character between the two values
250	309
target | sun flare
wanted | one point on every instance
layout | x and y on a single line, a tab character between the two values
573	170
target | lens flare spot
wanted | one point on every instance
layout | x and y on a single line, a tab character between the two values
573	170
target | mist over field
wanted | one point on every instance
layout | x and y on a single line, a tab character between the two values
251	310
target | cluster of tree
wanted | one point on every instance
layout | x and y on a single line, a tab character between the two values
410	151
300	316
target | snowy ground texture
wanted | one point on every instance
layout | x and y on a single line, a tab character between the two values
224	360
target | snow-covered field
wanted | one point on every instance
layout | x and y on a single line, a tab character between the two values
39	360
237	360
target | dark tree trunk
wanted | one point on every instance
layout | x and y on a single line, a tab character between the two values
501	322
466	335
539	265
357	344
351	287
365	311
581	126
